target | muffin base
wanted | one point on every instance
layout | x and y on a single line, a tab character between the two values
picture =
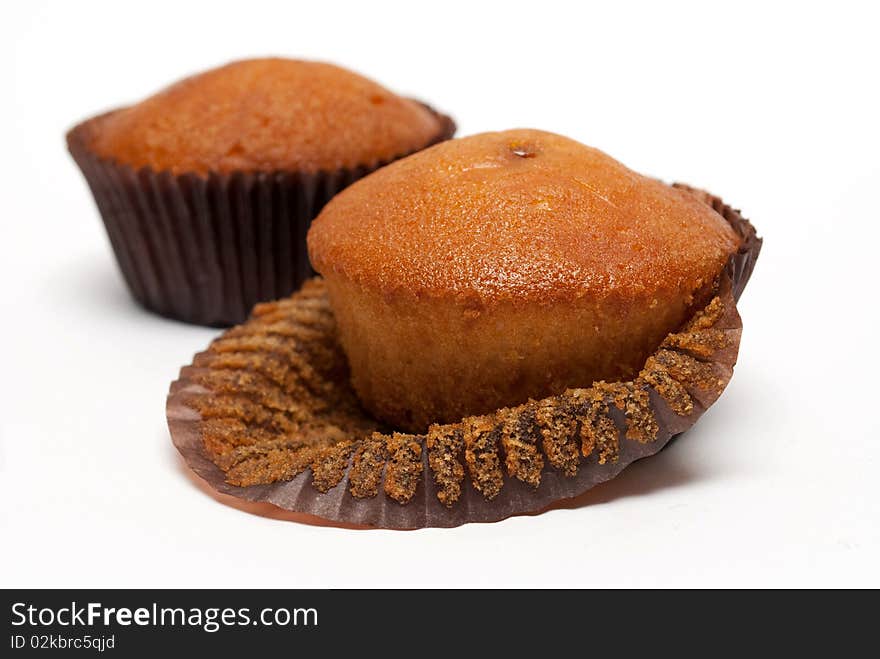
267	414
205	249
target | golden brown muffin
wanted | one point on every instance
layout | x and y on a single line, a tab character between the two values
267	115
490	269
207	188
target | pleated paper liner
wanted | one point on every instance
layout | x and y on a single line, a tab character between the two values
205	249
267	414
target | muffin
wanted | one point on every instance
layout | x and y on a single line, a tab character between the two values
267	413
207	188
492	269
566	315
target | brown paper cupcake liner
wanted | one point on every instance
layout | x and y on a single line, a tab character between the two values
205	249
267	414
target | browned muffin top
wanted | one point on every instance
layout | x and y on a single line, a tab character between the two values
266	115
519	215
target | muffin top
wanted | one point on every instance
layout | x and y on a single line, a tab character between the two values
520	215
266	115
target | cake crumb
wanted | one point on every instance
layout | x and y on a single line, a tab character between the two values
404	469
669	389
699	343
519	440
633	400
261	464
597	431
445	444
329	465
481	436
367	467
559	437
690	371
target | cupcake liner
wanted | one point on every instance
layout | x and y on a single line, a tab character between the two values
205	249
267	414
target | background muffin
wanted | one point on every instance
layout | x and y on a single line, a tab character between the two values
504	266
208	187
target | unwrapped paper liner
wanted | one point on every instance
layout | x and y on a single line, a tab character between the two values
267	414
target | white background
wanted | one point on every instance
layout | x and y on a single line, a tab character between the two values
775	107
